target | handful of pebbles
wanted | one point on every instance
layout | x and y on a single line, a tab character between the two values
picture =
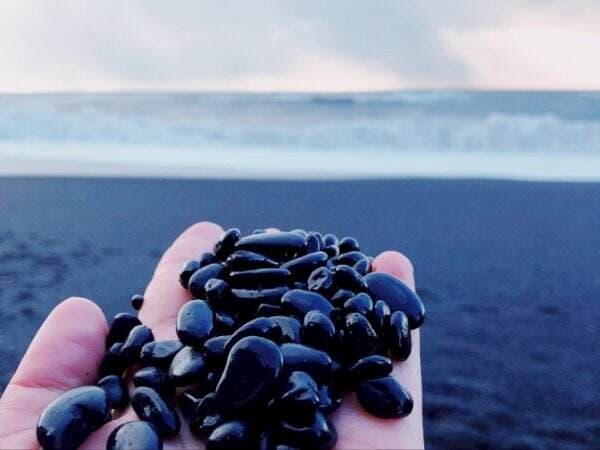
280	327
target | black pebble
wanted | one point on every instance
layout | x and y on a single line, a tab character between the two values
316	363
330	239
188	269
369	367
234	435
348	278
331	399
380	316
398	336
198	280
205	417
313	243
112	362
318	331
134	435
155	378
261	326
252	370
149	406
350	258
339	298
225	244
385	398
250	299
159	353
266	310
138	337
120	327
244	260
348	244
299	398
362	266
360	339
207	258
397	295
67	422
214	351
195	322
217	293
360	303
302	267
280	246
116	389
298	302
317	435
187	366
259	278
290	328
137	301
321	280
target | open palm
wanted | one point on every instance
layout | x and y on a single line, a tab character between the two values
68	348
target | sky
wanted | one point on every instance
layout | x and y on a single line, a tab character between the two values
298	45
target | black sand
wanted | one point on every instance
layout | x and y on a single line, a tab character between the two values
510	273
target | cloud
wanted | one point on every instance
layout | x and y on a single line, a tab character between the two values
294	44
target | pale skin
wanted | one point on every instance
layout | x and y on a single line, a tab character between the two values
67	349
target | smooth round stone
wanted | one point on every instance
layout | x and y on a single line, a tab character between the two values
134	435
234	435
398	336
155	378
137	301
280	246
217	292
212	380
384	397
362	266
360	303
348	244
380	316
253	368
149	406
259	278
369	367
330	239
316	363
266	310
250	299
68	421
350	258
244	260
195	323
159	353
298	302
299	398
322	280
290	328
201	276
318	331
225	244
116	390
205	417
112	362
188	269
320	434
214	350
188	401
225	323
330	398
302	267
188	366
138	337
339	298
261	326
359	337
120	327
398	296
207	258
348	278
313	244
331	250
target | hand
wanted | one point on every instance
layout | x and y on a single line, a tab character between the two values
67	350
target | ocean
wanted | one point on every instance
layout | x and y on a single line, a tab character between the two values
474	134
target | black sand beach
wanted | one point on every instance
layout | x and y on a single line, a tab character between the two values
509	272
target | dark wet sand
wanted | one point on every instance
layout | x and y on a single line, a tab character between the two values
510	273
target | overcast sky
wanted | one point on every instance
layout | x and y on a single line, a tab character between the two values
303	45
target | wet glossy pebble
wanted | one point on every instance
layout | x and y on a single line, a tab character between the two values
348	278
280	246
261	326
330	239
225	322
369	367
322	281
259	278
159	353
384	397
207	258
298	302
195	322
245	260
398	336
120	327
363	266
199	278
137	301
348	244
112	362
313	244
350	258
116	390
299	398
188	366
67	422
225	245
206	417
360	303
360	339
212	379
188	401
318	435
134	435
331	250
214	350
316	363
253	368
290	328
155	378
266	310
149	406
339	298
380	316
318	331
217	293
397	295
302	267
138	337
188	269
250	299
330	398
234	435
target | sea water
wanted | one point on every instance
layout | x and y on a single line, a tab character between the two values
497	134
